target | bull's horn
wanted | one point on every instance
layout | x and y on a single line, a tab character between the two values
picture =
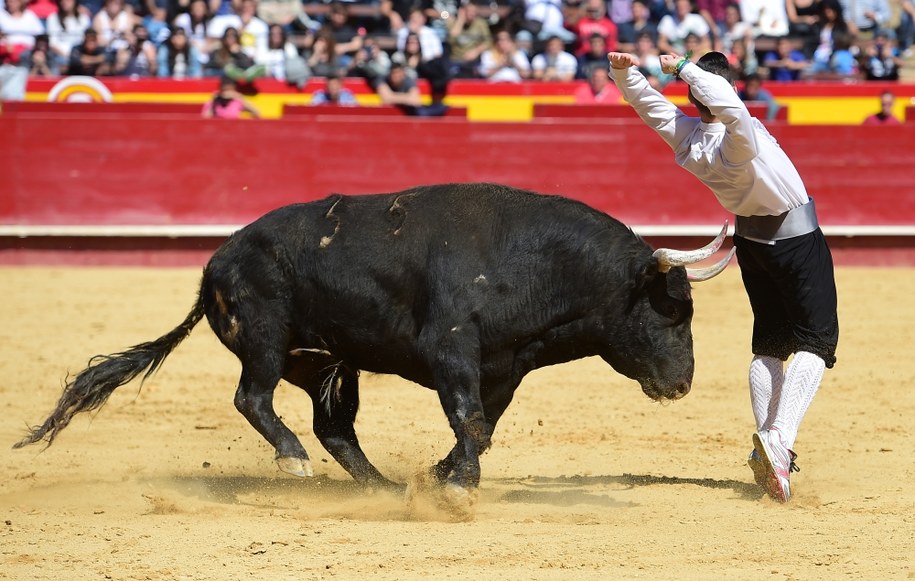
705	273
668	258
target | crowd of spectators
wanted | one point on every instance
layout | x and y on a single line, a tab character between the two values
439	40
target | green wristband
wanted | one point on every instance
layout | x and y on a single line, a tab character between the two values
680	64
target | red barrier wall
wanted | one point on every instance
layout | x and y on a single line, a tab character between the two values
121	169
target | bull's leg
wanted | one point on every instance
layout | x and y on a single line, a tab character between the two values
335	407
254	399
456	376
495	402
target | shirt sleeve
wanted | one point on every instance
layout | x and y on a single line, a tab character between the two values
656	111
716	93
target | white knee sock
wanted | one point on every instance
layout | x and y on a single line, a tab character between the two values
766	378
801	383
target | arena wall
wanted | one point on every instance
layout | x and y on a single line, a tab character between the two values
128	183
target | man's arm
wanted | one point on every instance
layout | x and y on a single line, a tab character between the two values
716	93
655	110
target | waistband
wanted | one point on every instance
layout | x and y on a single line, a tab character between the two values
797	222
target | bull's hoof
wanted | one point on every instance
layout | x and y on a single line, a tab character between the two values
295	466
428	499
460	502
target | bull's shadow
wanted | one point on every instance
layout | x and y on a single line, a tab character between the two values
285	493
571	490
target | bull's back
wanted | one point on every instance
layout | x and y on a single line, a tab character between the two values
365	275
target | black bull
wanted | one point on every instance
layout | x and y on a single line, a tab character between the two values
461	288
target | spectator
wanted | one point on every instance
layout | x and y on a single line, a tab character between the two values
468	37
66	28
280	51
554	64
89	57
713	11
674	28
650	62
371	62
785	63
348	40
113	23
524	41
228	103
282	12
765	17
156	22
830	24
753	92
880	60
39	60
641	23
398	89
322	58
865	17
620	12
20	26
594	21
178	57
411	57
13	78
544	19
733	29
396	12
195	23
596	56
599	89
333	93
439	14
504	62
842	63
42	8
137	58
905	32
252	31
228	58
428	39
743	59
885	115
803	16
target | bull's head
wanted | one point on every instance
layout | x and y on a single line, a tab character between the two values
654	345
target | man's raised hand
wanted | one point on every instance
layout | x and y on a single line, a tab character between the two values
622	60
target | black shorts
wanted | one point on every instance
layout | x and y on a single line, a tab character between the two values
792	290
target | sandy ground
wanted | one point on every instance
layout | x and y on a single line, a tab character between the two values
587	477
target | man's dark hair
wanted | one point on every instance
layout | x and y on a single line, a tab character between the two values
716	63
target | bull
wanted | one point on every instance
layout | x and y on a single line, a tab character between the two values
461	288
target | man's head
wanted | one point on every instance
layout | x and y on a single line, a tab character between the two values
886	102
716	63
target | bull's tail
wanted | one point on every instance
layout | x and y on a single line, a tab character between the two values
92	386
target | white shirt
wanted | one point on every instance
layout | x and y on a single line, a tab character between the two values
429	42
564	63
766	17
736	158
676	31
61	39
21	29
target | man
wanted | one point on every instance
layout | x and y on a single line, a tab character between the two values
885	115
554	63
598	89
753	92
785	263
333	93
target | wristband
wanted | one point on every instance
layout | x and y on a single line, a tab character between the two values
680	64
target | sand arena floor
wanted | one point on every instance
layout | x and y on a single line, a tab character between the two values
587	477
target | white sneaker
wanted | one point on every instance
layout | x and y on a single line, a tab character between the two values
778	463
759	470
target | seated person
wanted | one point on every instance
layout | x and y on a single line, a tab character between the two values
333	93
228	103
398	89
785	63
599	89
554	63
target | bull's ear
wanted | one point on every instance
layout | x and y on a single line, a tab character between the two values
642	277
